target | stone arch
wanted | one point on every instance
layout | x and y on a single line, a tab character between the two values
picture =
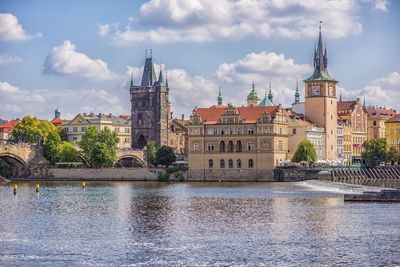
142	142
19	167
127	161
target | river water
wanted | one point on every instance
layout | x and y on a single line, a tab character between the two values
195	224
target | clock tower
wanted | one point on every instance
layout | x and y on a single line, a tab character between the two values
320	99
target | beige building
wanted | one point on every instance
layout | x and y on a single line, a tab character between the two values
76	127
300	130
353	114
320	100
227	142
178	135
376	121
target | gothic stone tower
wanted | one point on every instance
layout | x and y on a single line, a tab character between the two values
320	99
150	108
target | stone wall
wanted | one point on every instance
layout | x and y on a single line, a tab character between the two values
231	175
295	174
109	174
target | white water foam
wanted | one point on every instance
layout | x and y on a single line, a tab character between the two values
339	188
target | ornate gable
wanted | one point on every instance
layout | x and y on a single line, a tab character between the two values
79	119
195	118
230	116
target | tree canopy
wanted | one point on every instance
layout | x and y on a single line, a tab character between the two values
374	152
151	150
99	148
305	152
165	156
32	130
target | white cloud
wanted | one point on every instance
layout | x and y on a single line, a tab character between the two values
384	91
65	60
381	5
16	102
7	59
261	68
11	30
167	21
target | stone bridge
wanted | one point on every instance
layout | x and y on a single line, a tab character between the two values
27	160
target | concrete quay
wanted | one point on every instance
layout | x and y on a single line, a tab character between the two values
381	196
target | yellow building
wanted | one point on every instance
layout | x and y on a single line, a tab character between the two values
236	143
353	114
376	121
320	99
393	132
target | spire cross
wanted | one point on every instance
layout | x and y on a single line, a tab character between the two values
145	51
151	53
252	85
270	86
320	25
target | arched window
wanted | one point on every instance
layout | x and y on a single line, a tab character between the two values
210	163
230	164
251	165
230	146
222	146
222	163
239	164
238	146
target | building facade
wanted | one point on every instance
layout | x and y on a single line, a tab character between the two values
320	99
236	142
393	132
340	142
353	114
76	127
6	130
150	108
376	121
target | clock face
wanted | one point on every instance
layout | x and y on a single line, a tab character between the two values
331	91
315	90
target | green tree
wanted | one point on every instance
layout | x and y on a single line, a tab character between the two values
165	156
52	147
392	155
374	152
305	152
99	149
152	153
68	153
27	131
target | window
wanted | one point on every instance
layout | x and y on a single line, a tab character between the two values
230	164
139	120
239	164
66	130
117	129
230	131
250	145
210	146
222	164
238	146
126	140
294	131
210	163
280	145
222	146
250	131
127	130
83	129
374	123
74	138
222	132
230	146
75	129
251	165
195	146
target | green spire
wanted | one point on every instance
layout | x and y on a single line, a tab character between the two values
219	96
320	62
253	94
297	94
57	113
270	96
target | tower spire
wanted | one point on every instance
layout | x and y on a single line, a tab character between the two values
270	96
219	96
131	80
297	94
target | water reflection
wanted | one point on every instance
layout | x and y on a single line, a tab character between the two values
217	224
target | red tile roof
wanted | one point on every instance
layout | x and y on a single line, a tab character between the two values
380	112
394	119
9	126
248	114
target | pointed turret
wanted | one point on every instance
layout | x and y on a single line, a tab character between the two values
161	78
297	94
149	74
270	96
340	98
320	62
131	80
219	96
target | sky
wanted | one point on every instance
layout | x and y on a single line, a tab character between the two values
79	55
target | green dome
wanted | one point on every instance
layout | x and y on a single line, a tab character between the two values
253	95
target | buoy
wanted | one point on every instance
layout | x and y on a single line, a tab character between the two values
83	185
37	188
14	186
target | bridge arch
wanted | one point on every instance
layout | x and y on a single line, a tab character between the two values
19	167
126	161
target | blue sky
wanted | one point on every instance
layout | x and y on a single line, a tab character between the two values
79	54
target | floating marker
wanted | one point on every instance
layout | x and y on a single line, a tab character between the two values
15	187
37	188
83	185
